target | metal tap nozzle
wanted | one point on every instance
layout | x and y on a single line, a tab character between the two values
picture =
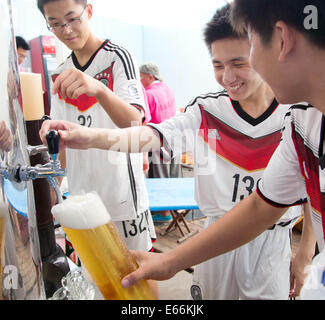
50	170
53	142
34	150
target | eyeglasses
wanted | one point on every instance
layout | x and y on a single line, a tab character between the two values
72	23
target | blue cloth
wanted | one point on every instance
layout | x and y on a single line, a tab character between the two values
171	194
160	218
18	199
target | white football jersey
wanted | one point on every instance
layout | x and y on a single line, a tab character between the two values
297	167
231	149
117	177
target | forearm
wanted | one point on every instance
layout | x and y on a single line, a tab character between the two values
308	240
240	225
122	113
131	140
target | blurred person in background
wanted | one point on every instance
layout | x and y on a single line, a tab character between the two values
22	51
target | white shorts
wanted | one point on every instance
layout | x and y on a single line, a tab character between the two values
138	234
258	270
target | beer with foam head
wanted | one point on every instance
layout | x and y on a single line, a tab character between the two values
100	247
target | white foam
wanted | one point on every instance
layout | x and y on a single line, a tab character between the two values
81	212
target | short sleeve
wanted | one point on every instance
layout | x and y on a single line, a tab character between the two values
127	85
282	184
178	134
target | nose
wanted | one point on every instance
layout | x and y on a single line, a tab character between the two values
66	28
228	75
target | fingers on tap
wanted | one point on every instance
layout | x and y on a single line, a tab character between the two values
48	125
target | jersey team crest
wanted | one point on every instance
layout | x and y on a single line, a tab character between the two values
84	102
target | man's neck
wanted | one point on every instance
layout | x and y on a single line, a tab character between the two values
84	54
315	87
311	87
258	102
317	98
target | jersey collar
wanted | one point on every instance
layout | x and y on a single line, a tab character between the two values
85	67
254	122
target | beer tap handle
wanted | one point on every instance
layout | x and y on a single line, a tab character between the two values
53	142
45	117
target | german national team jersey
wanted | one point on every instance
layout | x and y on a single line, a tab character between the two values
231	149
297	167
117	177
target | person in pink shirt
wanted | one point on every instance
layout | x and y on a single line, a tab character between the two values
160	96
162	106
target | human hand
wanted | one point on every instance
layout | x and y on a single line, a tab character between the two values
72	135
5	137
155	266
298	274
72	83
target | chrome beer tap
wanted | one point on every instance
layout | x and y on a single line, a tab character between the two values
51	170
53	142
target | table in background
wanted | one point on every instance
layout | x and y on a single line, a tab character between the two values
176	195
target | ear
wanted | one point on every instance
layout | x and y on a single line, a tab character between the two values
90	11
285	37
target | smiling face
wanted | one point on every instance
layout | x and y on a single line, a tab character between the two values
232	69
75	34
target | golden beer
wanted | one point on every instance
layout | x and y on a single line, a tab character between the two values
100	247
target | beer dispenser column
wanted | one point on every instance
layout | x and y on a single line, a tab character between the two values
54	261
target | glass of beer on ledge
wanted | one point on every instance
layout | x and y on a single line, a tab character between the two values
99	246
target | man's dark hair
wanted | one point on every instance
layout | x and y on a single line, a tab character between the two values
22	43
42	3
220	27
262	15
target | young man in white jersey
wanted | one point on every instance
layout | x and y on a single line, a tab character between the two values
99	86
234	134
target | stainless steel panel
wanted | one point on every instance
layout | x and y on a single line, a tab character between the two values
22	276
